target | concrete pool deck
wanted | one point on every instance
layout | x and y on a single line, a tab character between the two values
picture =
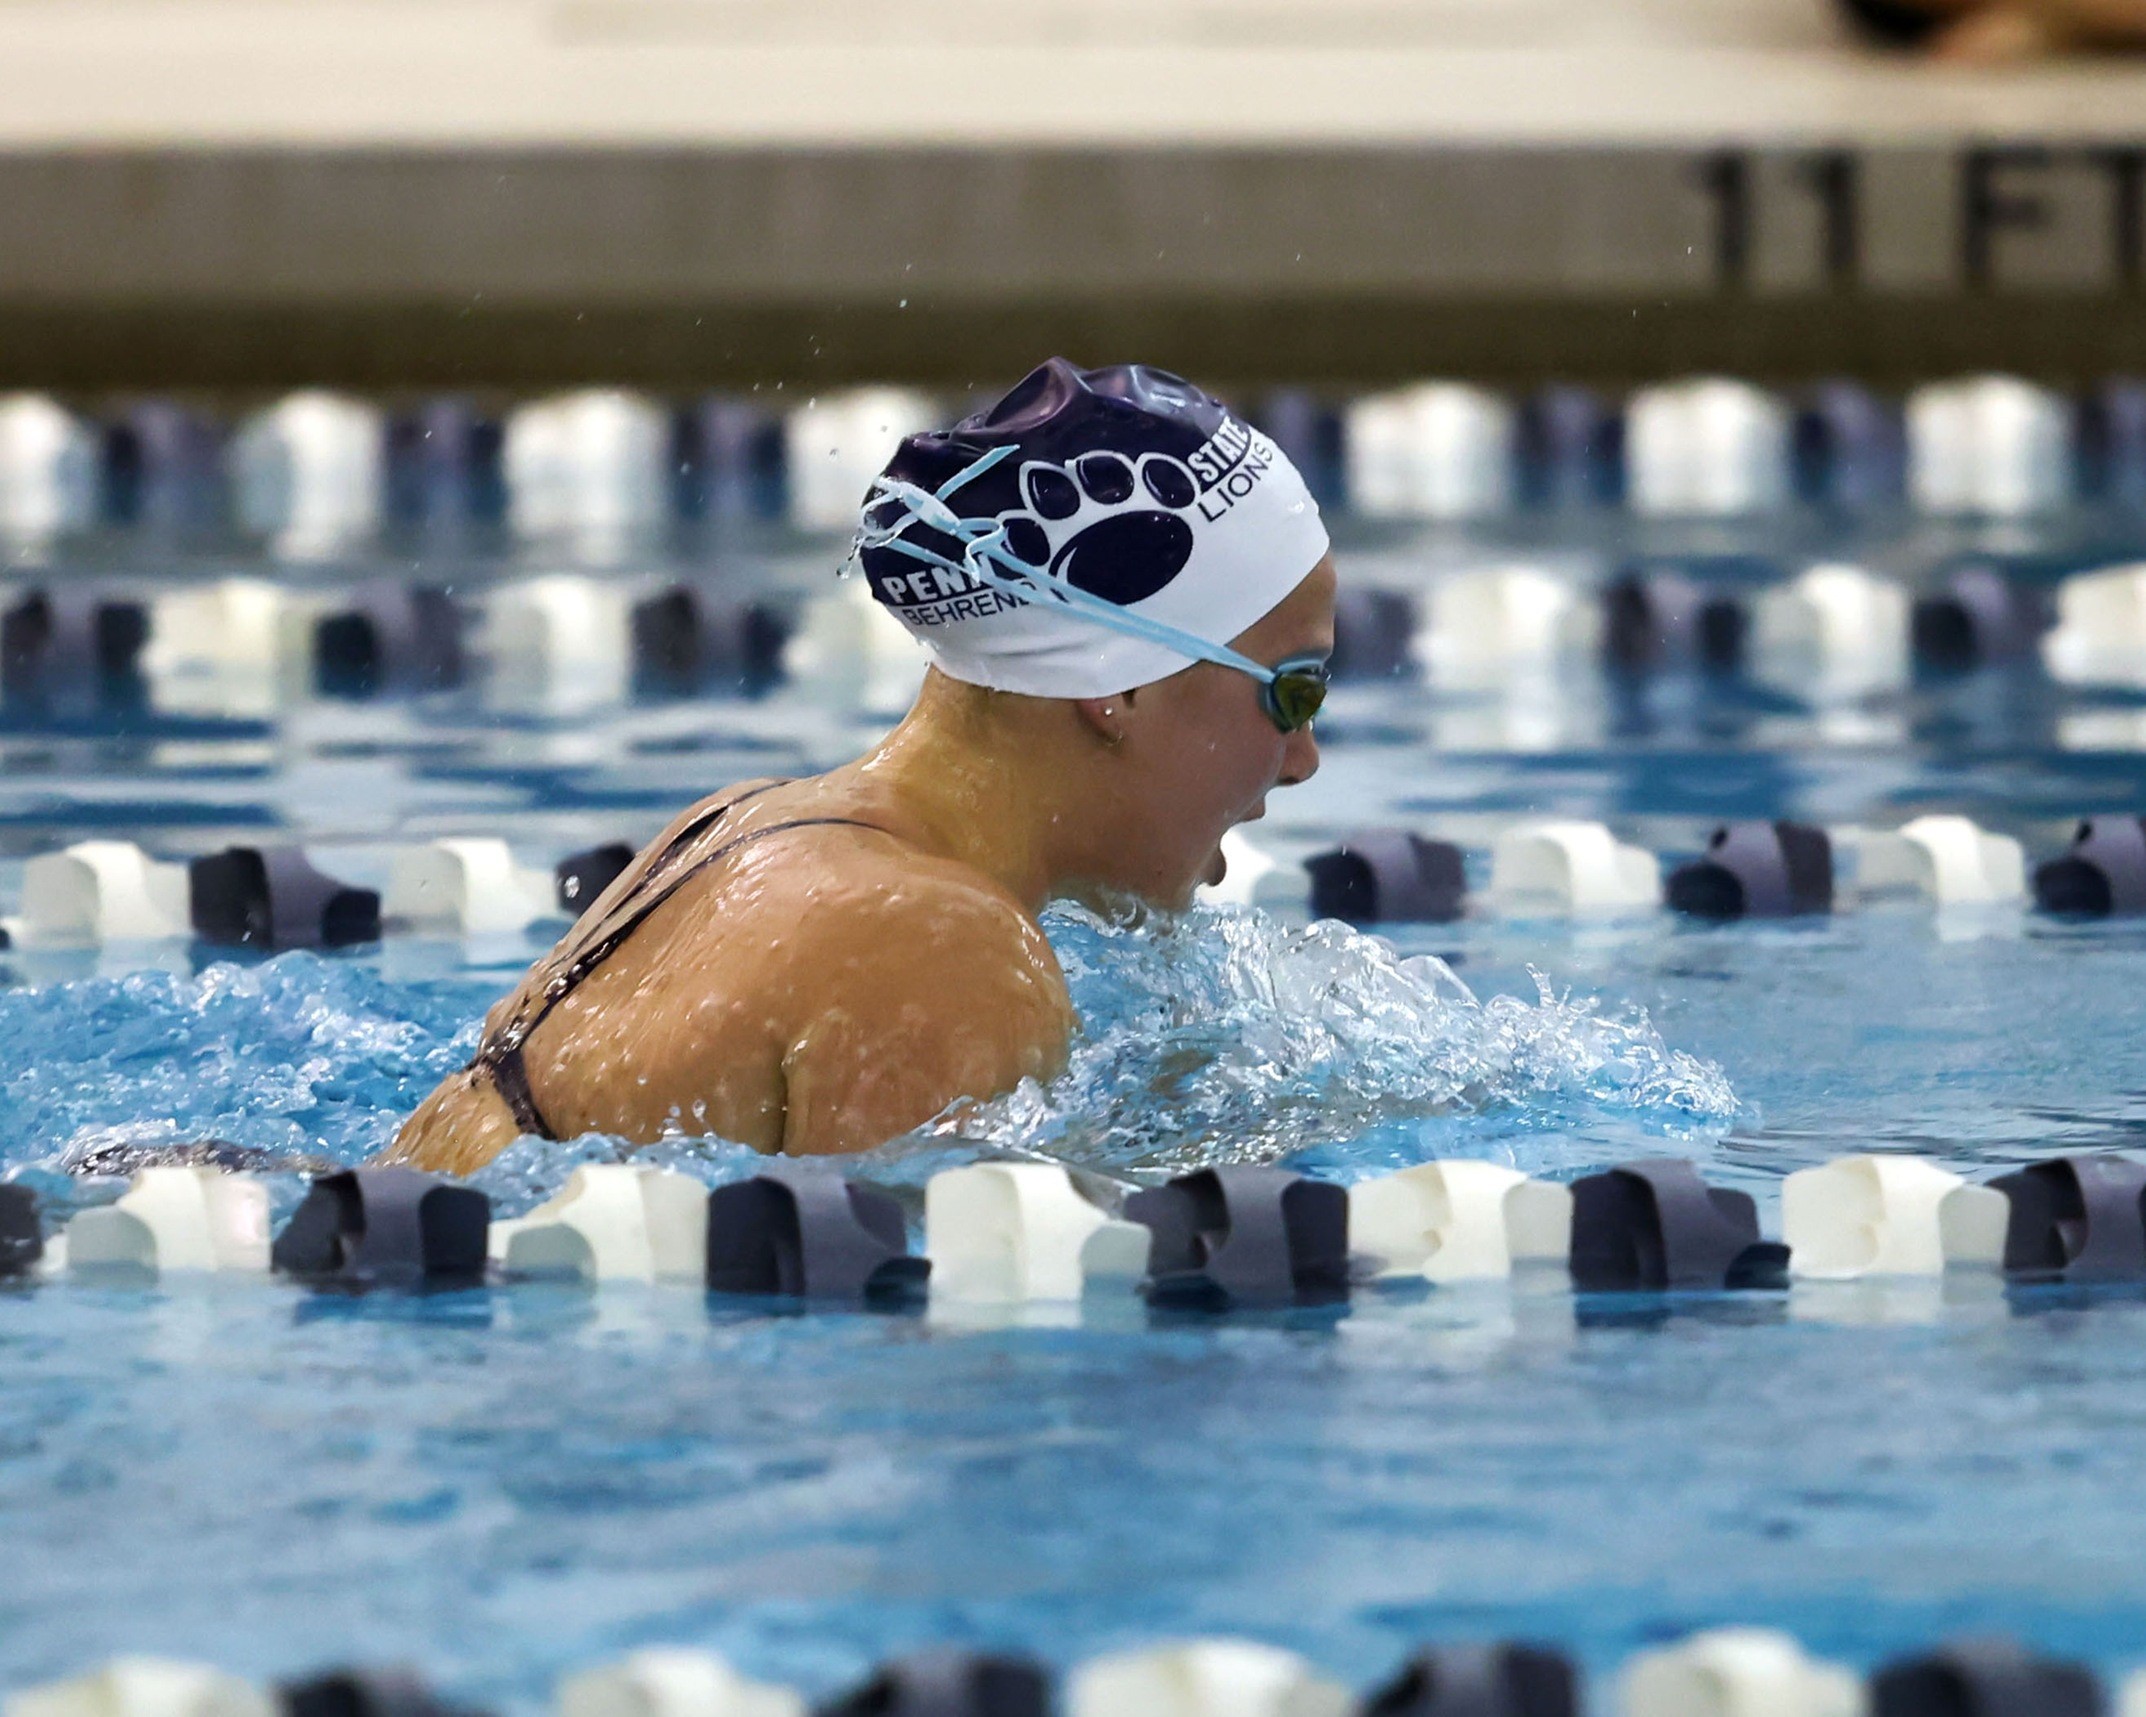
241	193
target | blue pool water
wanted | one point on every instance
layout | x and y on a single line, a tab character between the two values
498	1485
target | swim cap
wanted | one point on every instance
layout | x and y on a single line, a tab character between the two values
1093	531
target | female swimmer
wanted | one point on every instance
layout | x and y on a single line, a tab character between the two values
1128	601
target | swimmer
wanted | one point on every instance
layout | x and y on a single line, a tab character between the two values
1129	604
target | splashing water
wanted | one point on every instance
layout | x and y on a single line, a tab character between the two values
1224	1036
286	1063
1217	1036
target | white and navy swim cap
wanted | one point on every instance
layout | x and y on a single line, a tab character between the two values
1124	483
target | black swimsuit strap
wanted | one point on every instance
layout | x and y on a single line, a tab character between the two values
502	1054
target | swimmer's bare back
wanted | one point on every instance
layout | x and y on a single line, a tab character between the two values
807	980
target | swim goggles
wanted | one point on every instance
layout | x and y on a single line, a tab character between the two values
1290	692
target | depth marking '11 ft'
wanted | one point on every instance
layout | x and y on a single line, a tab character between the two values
1996	192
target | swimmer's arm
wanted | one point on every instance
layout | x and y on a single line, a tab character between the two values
939	992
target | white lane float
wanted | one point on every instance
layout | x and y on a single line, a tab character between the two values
48	469
1836	630
2100	634
96	892
1706	448
1459	1221
673	1683
1575	867
852	656
177	1217
465	886
310	471
836	444
595	464
1021	1231
559	642
611	1222
1946	860
1203	1678
1440	450
1253	877
1889	1216
223	647
143	1687
1738	1672
1483	627
1989	446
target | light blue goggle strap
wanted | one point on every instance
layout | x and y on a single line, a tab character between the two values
987	559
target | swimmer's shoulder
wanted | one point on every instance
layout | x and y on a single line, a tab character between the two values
911	985
855	904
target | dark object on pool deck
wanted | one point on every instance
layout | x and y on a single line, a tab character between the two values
1479	1681
1980	617
1245	1236
362	1227
948	1684
2078	1219
580	877
73	640
1373	630
272	897
1656	1224
1655	620
1895	23
22	1236
1757	870
804	1231
386	636
1388	876
2103	873
364	1693
1984	1678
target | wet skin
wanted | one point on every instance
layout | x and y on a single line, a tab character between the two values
826	989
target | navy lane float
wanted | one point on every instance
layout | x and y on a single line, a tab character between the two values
1757	870
1380	876
386	1226
1655	1225
1245	1237
807	1233
273	897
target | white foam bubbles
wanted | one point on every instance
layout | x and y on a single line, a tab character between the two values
1224	1035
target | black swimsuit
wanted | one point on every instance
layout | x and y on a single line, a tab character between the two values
500	1056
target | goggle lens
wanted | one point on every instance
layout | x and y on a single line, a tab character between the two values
1293	696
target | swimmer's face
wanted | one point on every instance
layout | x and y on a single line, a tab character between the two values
1201	755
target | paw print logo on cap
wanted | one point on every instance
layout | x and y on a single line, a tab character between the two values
1110	525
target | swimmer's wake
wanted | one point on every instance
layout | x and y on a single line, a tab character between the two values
1223	1035
1218	1035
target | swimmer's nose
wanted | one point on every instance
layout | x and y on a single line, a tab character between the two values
1300	757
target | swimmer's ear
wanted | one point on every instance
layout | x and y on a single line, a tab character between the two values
1105	717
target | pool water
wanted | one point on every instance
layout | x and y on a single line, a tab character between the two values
498	1485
